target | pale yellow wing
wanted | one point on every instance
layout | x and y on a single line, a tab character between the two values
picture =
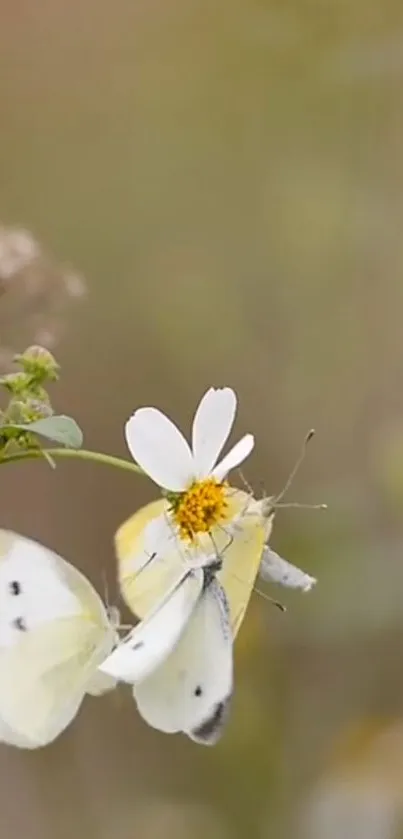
91	602
95	612
54	632
241	563
44	677
143	585
13	738
143	579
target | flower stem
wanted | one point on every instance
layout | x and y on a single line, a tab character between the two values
80	454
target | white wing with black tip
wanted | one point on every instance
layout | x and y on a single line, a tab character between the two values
190	692
210	731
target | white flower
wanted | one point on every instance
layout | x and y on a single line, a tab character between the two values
161	450
199	499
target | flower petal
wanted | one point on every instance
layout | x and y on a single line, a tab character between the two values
158	446
237	455
212	424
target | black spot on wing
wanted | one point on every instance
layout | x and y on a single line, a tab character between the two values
20	624
138	645
15	587
210	731
198	691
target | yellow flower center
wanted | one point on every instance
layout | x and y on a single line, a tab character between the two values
199	508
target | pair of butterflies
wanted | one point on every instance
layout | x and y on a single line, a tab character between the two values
179	659
58	642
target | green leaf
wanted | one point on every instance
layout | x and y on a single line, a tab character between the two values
59	429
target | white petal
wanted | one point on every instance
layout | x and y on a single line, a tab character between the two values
158	446
274	569
237	455
212	425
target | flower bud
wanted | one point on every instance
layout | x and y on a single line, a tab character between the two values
26	411
16	383
39	363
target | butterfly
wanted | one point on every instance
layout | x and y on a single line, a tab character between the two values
54	631
180	658
146	575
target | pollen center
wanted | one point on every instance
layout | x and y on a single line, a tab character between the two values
200	508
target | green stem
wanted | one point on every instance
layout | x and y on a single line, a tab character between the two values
81	454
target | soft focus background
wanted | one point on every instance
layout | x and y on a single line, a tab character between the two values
227	180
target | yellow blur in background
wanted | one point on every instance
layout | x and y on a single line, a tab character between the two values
227	177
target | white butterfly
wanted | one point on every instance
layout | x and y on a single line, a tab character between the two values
274	569
54	631
180	659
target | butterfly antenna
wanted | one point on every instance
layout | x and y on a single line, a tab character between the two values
297	505
276	603
112	612
263	594
245	482
295	468
150	559
223	550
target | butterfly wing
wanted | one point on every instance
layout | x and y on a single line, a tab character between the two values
241	559
211	729
100	683
52	637
144	578
191	690
149	643
43	678
274	569
12	738
106	619
144	575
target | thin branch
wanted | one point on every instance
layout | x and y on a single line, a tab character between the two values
78	454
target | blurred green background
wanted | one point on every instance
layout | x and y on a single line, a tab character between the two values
227	177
